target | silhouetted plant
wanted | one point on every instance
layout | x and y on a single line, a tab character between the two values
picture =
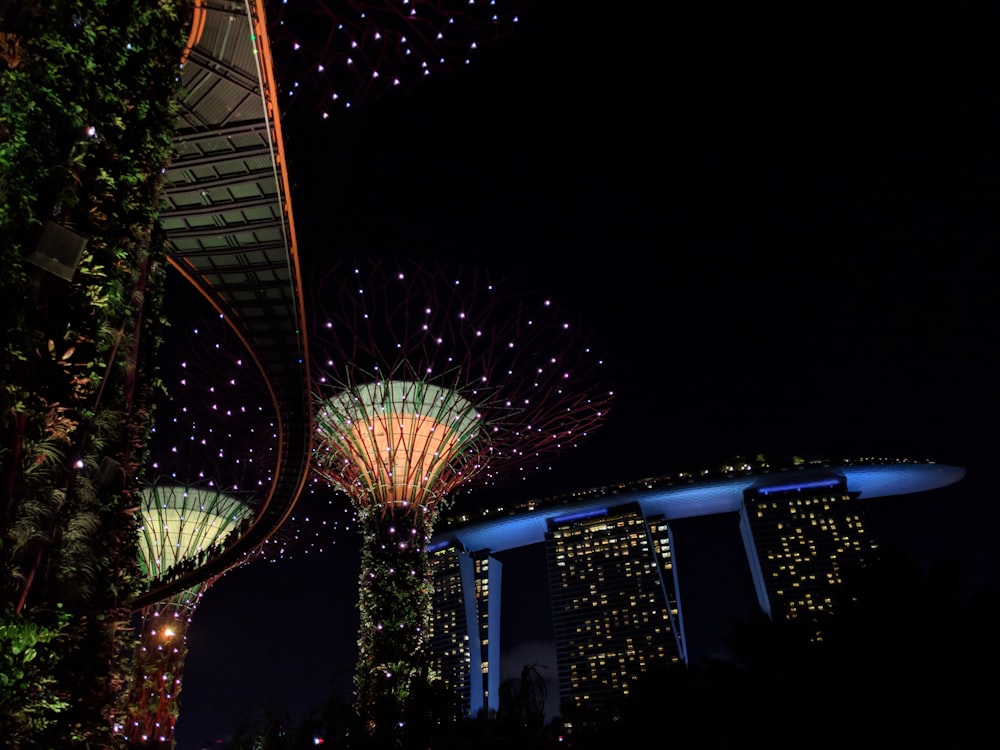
522	702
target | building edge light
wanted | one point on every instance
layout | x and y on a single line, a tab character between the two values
799	486
582	516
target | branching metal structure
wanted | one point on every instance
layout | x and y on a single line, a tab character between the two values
227	212
216	422
227	217
430	379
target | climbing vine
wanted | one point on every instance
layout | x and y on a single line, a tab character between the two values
88	92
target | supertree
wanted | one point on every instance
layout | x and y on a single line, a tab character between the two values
211	456
181	525
430	380
330	54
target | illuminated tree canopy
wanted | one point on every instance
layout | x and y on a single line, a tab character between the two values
181	523
400	441
430	379
180	526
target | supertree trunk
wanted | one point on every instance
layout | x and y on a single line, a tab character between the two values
159	664
395	593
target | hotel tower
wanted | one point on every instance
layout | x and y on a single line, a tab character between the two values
613	594
465	626
799	538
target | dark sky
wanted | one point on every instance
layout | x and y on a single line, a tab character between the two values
780	222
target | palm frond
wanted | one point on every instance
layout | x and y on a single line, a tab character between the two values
35	520
42	459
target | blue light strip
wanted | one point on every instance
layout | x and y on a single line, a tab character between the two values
580	516
802	486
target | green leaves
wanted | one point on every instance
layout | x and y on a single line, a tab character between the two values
87	112
28	701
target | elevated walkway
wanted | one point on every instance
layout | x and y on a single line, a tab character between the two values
228	218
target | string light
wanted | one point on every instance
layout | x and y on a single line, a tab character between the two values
322	46
181	528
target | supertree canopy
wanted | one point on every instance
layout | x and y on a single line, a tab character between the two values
330	54
401	442
431	380
180	526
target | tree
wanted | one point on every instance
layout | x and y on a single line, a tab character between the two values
522	702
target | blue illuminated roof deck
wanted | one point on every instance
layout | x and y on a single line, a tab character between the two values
527	524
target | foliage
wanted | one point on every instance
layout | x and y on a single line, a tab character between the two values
904	662
29	702
266	728
395	595
87	106
522	702
431	721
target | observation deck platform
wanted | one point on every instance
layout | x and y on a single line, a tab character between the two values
685	496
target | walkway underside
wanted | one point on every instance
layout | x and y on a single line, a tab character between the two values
227	215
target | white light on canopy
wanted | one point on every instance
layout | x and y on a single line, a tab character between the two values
397	441
179	522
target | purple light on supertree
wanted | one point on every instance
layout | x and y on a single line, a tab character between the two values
216	428
429	380
215	421
332	54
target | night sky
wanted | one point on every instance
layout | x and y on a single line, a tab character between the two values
779	224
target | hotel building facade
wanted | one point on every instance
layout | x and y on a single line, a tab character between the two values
799	539
613	594
613	573
465	626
